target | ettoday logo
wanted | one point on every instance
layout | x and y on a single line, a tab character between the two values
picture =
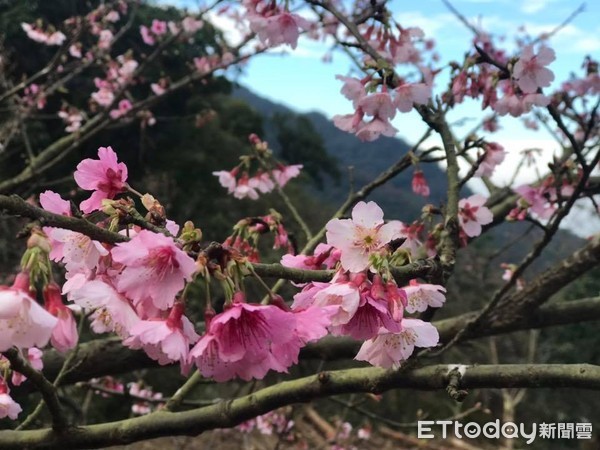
507	430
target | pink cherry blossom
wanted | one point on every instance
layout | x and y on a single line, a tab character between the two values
147	36
372	314
530	71
310	325
155	268
245	341
411	233
159	27
165	340
419	184
344	296
105	176
494	155
349	122
420	296
411	93
191	25
374	128
34	33
227	179
72	119
105	39
157	88
79	252
34	357
112	16
104	96
537	200
246	187
283	174
123	107
353	89
362	236
264	182
282	28
64	335
387	350
54	203
8	407
324	255
112	311
472	214
23	322
56	38
378	105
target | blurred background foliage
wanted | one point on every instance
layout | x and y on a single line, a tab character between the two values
205	128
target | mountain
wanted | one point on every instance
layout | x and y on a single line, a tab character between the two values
368	159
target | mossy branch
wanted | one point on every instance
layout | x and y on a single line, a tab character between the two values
229	413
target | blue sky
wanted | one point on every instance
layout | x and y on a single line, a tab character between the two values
301	80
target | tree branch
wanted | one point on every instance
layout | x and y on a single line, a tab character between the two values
229	413
108	356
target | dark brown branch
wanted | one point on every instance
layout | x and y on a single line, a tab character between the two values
46	388
108	356
16	206
229	413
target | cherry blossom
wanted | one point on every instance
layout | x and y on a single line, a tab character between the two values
536	199
246	341
147	36
159	27
8	407
344	296
408	94
374	128
494	155
165	340
472	214
23	322
64	335
324	255
362	236
372	314
79	252
105	176
530	71
421	296
388	350
123	108
34	358
112	312
282	28
283	174
419	184
378	105
191	25
155	268
353	89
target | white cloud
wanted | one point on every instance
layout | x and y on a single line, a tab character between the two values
430	24
533	6
232	30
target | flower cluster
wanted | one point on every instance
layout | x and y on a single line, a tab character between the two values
380	106
47	37
240	184
137	288
363	301
273	25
